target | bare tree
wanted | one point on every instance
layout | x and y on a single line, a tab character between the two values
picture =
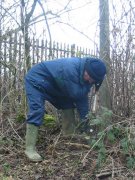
25	21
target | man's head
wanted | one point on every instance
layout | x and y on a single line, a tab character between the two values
94	70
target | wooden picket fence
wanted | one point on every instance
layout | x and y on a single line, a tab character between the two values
13	50
13	69
13	63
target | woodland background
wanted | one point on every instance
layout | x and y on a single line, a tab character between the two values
111	152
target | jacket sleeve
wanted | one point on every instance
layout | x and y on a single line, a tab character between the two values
76	91
82	107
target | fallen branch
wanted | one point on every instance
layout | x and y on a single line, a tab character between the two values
78	145
109	172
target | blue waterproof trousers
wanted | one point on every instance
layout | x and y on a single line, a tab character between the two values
36	98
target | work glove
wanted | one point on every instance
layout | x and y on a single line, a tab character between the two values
97	86
84	127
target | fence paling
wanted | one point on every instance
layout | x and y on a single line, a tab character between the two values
13	68
13	61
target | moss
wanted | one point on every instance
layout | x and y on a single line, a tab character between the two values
49	120
20	117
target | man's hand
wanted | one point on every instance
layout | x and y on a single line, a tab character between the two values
84	127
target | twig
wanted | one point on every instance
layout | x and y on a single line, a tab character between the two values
108	172
113	169
15	130
78	145
57	139
83	161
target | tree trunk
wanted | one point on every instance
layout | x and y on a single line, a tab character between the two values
105	50
25	20
0	51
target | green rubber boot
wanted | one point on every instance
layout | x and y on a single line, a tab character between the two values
31	138
68	121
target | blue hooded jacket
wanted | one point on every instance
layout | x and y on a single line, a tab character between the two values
62	79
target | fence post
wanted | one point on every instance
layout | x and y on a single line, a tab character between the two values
73	50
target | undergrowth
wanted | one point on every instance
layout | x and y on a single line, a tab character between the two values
108	134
